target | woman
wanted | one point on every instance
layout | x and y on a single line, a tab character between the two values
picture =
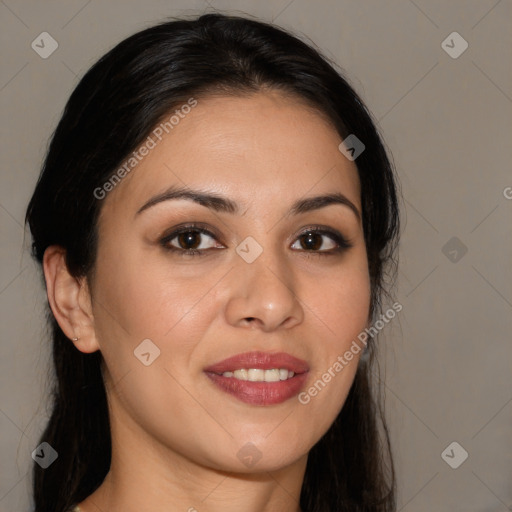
214	219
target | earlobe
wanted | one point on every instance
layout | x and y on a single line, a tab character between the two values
69	299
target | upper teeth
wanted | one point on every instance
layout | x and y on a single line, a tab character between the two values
257	375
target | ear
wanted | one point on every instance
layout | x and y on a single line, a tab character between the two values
70	300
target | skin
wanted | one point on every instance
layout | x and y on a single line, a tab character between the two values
175	435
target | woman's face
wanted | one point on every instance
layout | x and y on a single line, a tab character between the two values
261	282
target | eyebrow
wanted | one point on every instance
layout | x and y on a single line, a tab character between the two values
223	204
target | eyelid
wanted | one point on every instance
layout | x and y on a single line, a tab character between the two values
202	227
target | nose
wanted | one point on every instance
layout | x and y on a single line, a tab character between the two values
263	295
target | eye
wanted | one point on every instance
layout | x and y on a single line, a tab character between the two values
190	240
322	241
195	240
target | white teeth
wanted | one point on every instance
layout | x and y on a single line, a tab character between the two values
272	375
240	374
258	375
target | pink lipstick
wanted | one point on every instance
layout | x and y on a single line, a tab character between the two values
260	378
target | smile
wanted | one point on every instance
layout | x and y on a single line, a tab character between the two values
260	378
258	375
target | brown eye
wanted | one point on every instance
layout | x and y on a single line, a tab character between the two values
190	241
313	241
321	241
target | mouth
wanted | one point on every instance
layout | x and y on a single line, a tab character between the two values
260	378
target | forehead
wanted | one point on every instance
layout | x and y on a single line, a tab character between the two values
266	148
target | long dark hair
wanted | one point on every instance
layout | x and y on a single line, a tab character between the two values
109	114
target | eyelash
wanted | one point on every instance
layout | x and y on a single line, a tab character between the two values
338	238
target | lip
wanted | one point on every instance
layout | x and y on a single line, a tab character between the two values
260	361
260	393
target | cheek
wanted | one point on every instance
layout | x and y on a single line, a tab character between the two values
170	304
339	309
341	300
343	314
149	298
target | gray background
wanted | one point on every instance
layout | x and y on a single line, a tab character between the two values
448	125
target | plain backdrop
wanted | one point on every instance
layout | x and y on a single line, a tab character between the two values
446	116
